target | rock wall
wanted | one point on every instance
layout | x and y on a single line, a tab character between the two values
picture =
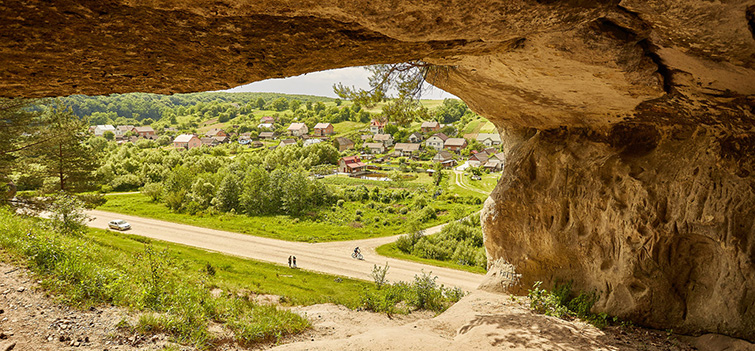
628	125
660	222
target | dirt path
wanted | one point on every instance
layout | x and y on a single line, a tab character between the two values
331	257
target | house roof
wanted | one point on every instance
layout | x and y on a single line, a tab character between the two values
407	147
441	136
416	134
125	128
355	164
208	141
183	138
266	134
322	125
443	155
480	156
213	132
374	145
267	118
375	122
430	124
144	129
366	136
455	142
382	137
344	141
297	126
265	125
105	127
288	142
491	136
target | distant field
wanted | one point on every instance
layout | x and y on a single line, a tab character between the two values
346	127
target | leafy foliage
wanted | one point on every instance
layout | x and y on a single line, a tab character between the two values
561	303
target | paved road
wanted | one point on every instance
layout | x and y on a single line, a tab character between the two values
331	257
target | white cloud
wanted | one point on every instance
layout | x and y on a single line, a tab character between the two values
321	84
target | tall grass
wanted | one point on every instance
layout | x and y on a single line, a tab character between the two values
170	284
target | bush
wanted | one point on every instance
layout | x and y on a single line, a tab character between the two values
153	190
558	303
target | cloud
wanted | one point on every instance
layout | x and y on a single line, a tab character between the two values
321	84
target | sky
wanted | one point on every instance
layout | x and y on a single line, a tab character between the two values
321	84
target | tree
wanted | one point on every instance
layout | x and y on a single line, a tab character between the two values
66	155
67	213
109	135
260	103
280	104
294	105
438	174
18	125
450	111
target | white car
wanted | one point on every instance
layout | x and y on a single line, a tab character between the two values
119	224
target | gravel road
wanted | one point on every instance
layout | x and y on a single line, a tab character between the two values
331	257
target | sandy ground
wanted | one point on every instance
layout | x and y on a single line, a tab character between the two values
332	257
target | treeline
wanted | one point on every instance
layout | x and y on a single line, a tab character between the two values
459	242
135	108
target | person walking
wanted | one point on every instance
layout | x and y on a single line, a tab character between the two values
294	261
289	261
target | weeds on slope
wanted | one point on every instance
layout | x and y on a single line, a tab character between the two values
172	286
561	302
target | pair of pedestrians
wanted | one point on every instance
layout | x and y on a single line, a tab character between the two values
291	261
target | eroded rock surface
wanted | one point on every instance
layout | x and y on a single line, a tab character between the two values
628	125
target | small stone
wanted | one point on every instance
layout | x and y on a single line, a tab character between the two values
20	289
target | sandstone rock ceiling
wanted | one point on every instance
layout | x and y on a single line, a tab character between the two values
629	125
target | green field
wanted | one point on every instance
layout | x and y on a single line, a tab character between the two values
390	250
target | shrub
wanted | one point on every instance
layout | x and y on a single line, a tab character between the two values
153	190
379	275
544	302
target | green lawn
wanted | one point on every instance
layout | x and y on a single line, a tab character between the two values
233	273
339	223
390	250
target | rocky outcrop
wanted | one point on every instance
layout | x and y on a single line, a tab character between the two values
659	221
629	125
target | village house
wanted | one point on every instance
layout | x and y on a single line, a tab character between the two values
257	143
365	137
187	141
351	164
416	138
287	142
436	141
377	127
121	131
430	126
406	149
267	119
386	139
478	159
215	132
323	129
265	126
343	144
221	139
375	148
209	142
445	158
455	144
267	135
495	162
144	131
489	139
297	129
100	130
